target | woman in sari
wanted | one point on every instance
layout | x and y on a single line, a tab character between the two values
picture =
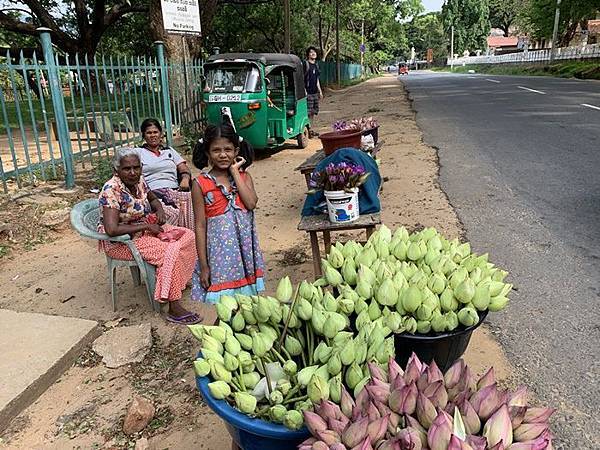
129	207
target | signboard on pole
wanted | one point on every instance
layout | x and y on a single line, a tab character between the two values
181	16
363	48
429	55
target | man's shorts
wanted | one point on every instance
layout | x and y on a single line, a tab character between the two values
312	101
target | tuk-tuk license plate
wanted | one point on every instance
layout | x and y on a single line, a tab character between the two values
224	98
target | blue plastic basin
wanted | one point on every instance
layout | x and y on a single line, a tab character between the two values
248	433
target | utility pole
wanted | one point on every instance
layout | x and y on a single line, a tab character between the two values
452	49
338	67
555	31
286	25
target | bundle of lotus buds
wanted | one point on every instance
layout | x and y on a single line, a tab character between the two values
420	282
423	408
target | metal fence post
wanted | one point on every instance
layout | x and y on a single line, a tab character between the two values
164	80
58	102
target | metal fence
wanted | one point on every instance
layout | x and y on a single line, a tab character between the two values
591	51
59	111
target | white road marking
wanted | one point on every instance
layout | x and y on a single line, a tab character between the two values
473	78
493	81
591	106
531	90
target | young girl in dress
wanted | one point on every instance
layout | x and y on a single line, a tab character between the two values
223	197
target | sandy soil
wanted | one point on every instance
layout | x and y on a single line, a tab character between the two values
84	409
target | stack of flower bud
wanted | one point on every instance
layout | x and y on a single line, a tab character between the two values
422	408
420	282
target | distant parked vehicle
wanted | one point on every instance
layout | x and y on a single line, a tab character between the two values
403	69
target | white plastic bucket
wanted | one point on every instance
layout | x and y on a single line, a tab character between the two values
342	206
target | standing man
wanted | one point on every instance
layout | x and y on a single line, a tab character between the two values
313	85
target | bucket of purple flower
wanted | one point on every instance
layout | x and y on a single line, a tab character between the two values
340	183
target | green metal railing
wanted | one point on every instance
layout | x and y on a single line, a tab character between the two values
60	110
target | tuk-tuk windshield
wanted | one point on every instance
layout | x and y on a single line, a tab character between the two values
230	78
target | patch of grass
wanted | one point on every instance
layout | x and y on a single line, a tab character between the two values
585	70
4	251
103	170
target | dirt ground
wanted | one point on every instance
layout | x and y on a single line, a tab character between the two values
66	276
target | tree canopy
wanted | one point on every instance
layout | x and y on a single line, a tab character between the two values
471	22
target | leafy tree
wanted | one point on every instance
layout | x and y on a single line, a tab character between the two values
470	19
427	32
572	14
504	13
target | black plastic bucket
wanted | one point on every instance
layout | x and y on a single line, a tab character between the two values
444	348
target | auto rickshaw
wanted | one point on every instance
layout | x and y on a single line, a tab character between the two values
262	93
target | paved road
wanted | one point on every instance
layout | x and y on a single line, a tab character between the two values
520	162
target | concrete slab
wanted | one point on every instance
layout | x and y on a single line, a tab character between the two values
36	350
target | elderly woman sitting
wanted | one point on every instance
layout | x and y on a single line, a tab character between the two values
167	175
129	207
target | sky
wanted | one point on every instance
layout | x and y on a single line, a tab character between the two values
432	5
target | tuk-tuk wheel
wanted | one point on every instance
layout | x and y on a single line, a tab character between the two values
303	138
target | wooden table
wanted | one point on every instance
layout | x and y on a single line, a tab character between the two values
321	224
308	166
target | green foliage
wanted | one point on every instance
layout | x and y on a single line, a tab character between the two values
130	37
471	23
565	69
572	12
504	13
190	135
103	170
427	31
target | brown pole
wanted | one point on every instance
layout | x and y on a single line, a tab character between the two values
338	67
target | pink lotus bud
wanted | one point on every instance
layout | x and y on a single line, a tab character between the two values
377	429
457	444
498	446
330	437
409	439
517	414
414	368
307	444
320	445
337	425
486	401
327	409
314	422
389	444
529	431
355	433
404	400
398	383
366	445
376	372
438	436
394	423
538	415
434	373
453	374
519	397
436	392
383	408
477	442
426	412
422	382
362	399
540	443
394	370
378	393
380	383
338	446
415	425
372	412
346	402
468	380
487	379
470	417
498	428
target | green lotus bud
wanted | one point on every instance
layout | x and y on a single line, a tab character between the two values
245	402
284	386
374	311
284	290
349	272
363	320
499	275
353	376
437	283
364	289
334	278
438	323
219	372
305	290
497	303
347	353
318	321
293	420
334	323
277	413
423	326
424	312
481	299
468	317
412	299
244	340
289	316
329	302
268	331
387	294
410	324
335	258
306	374
451	321
232	345
212	344
218	333
496	288
201	367
335	388
322	352
198	330
430	300
219	389
276	398
360	305
334	365
248	315
260	345
238	323
317	389
465	291
251	379
346	306
367	275
211	355
290	368
366	257
262	309
322	372
223	312
303	309
292	345
401	233
394	322
247	364
475	275
400	251
447	300
458	277
231	362
413	252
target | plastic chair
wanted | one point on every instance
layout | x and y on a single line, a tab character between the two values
84	219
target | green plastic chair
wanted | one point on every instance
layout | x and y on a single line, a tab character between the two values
84	219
